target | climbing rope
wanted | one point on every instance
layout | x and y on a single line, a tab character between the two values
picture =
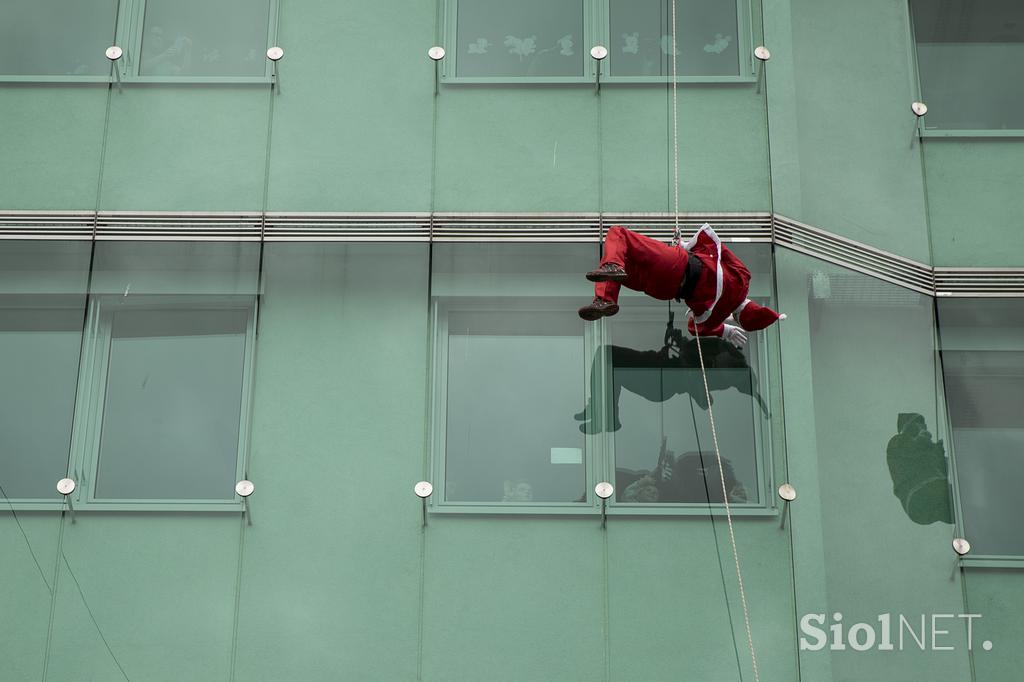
677	239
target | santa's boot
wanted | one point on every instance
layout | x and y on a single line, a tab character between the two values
753	316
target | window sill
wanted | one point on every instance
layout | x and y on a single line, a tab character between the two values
130	80
583	509
972	133
591	80
992	561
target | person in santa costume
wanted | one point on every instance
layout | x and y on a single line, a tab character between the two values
707	276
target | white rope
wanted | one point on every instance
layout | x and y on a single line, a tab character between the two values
700	354
678	238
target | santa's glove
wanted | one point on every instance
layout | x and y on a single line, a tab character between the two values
734	335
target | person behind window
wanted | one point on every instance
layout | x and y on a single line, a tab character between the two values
164	58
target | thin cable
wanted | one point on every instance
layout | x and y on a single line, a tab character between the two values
728	510
27	543
91	616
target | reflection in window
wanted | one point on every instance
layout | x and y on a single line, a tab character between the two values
172	400
199	38
530	38
641	38
969	54
983	368
664	452
511	372
56	38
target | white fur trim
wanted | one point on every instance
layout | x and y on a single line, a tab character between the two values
736	313
782	316
718	268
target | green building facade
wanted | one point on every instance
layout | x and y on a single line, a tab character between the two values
356	267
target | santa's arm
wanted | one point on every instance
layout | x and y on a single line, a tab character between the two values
729	332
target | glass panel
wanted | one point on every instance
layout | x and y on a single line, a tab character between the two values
983	369
862	424
131	268
56	38
42	307
509	329
40	347
199	38
707	34
969	54
528	38
173	403
664	450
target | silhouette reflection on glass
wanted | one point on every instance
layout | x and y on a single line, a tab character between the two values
691	477
920	476
679	352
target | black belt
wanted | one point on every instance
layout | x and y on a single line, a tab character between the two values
689	283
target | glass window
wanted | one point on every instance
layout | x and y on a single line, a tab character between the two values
531	38
707	35
42	308
172	396
969	54
510	372
983	369
656	407
200	38
56	38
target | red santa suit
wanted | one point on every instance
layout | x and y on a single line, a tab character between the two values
658	269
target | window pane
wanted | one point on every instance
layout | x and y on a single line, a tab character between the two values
56	38
641	38
528	38
173	403
512	331
200	38
39	348
983	366
969	56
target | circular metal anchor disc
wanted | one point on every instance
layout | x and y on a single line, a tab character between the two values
66	486
919	108
762	53
961	546
604	490
436	53
423	489
787	492
275	53
244	488
114	53
599	52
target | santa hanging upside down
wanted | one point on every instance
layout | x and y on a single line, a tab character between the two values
704	274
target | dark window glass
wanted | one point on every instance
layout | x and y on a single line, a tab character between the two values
969	54
983	367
